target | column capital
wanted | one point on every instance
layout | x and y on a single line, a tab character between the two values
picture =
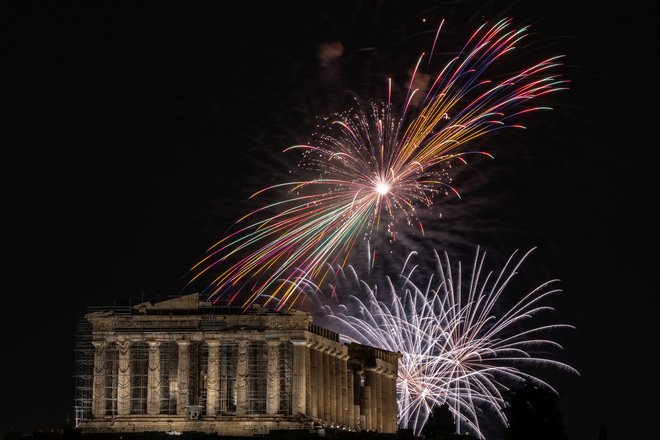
100	345
183	342
391	374
153	345
212	342
301	342
123	346
320	346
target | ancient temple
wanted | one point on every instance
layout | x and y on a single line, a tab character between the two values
187	365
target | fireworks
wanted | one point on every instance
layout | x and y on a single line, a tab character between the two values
373	167
460	345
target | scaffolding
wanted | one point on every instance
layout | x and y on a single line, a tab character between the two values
228	360
256	379
84	373
198	372
139	368
169	367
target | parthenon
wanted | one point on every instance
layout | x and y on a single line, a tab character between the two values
185	365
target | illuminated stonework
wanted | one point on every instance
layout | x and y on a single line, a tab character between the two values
186	365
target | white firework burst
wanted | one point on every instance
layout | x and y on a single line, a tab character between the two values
460	344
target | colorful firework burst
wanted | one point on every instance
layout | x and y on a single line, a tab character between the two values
373	168
460	345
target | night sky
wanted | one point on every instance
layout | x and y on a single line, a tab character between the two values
133	133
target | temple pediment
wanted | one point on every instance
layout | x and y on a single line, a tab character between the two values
185	302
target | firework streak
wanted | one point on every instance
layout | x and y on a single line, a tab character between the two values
460	344
373	168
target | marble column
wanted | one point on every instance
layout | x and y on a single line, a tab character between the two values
350	399
273	378
391	402
183	378
308	379
327	389
378	401
241	378
213	377
343	380
370	400
300	373
339	406
386	395
124	378
366	411
320	386
98	381
224	372
360	378
331	385
153	379
314	371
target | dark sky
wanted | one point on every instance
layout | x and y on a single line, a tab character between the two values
133	132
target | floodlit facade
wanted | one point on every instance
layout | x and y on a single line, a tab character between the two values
187	365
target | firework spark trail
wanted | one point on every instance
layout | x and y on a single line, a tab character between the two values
457	346
374	169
